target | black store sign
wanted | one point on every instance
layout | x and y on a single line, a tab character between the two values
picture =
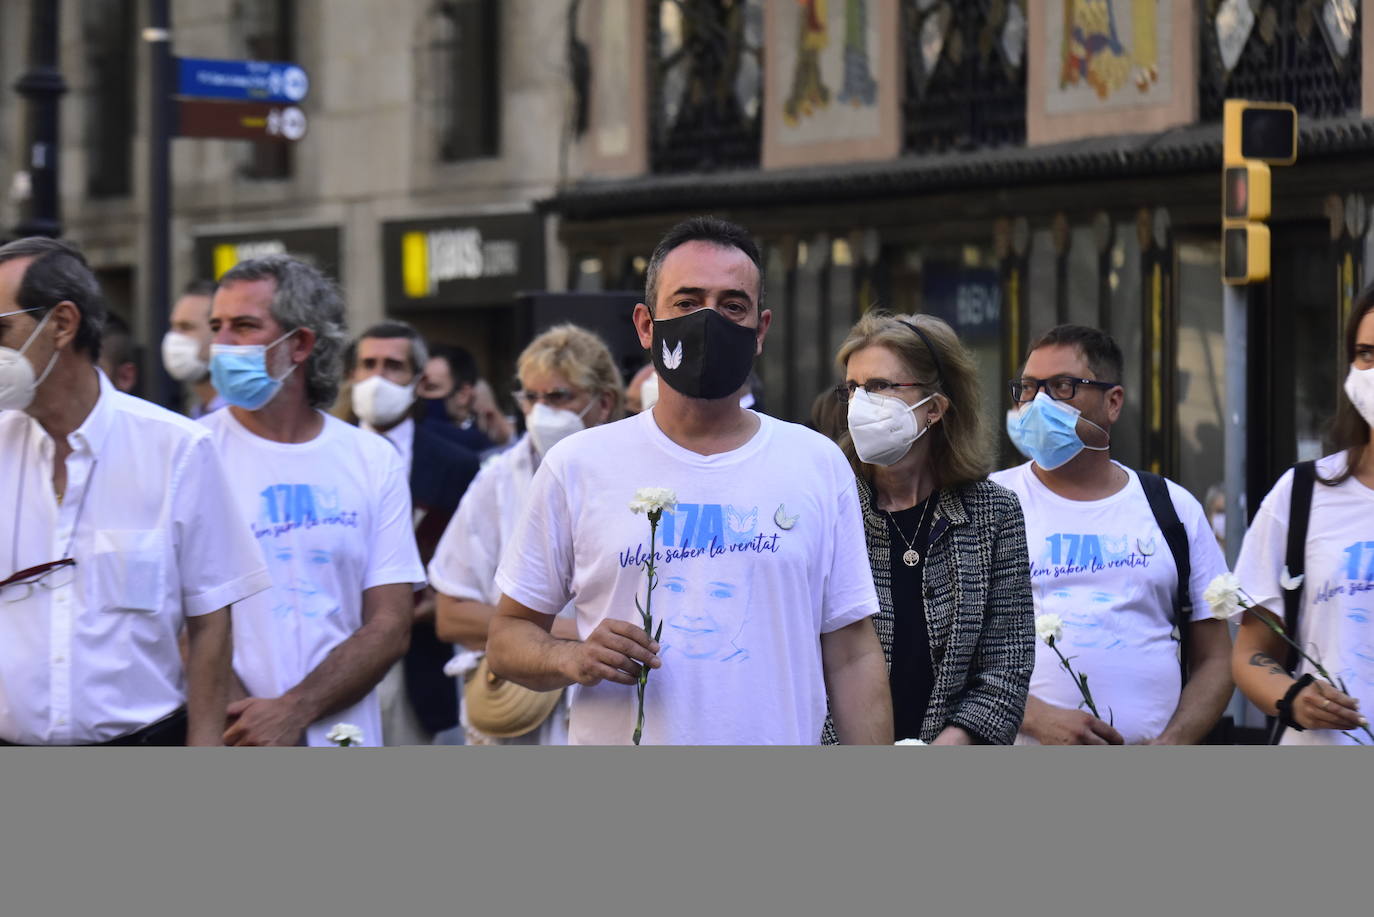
457	261
217	254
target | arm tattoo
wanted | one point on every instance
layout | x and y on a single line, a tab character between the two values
1263	660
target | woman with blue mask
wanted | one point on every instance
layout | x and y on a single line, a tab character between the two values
946	546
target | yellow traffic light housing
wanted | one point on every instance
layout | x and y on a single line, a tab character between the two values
1259	131
1246	192
1245	253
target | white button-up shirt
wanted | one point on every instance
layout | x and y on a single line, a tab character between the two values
156	538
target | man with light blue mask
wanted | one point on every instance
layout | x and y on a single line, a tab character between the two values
328	503
1122	556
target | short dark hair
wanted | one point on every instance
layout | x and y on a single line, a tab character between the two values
117	340
60	273
200	287
390	330
461	365
1098	349
304	298
701	229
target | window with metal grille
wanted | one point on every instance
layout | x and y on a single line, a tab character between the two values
706	84
268	30
463	77
965	74
1306	52
109	29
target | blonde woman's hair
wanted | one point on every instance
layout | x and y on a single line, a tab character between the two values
960	451
579	356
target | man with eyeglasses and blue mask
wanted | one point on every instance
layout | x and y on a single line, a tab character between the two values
1121	556
329	504
119	533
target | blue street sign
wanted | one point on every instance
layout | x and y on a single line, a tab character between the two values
241	80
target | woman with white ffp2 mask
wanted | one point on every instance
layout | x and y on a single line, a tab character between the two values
567	380
1330	595
915	443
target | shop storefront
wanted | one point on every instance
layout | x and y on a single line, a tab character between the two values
458	280
216	253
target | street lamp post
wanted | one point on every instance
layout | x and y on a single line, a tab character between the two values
42	87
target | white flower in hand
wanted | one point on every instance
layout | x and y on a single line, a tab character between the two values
1289	583
1223	596
345	734
1049	628
653	500
909	742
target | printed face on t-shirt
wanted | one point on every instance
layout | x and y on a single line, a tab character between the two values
703	616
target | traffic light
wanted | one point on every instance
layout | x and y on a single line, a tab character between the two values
1245	253
1245	194
1262	131
1255	135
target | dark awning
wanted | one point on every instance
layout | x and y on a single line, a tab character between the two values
1186	149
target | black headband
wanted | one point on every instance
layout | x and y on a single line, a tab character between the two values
934	354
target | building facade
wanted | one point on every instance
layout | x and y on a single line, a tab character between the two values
433	127
1005	164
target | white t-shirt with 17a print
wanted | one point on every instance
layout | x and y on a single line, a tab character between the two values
764	553
1336	619
1104	567
333	518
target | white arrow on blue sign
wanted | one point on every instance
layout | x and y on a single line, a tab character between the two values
241	80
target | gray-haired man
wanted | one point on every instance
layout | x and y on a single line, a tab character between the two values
328	503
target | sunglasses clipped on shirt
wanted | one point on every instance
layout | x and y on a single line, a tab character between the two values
52	575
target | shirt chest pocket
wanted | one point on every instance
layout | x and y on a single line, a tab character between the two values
129	569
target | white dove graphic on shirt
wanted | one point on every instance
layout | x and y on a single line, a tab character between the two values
672	360
784	521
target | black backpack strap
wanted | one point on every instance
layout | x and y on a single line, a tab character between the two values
1295	560
1299	509
1176	537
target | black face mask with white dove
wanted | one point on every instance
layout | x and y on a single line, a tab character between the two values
703	355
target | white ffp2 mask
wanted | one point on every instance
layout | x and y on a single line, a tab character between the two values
883	427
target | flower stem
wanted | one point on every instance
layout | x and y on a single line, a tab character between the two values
1082	684
648	619
1321	669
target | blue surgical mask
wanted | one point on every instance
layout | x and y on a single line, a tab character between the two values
239	373
1046	431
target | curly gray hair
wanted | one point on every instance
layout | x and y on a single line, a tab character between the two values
304	298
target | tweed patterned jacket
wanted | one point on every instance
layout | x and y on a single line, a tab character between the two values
979	611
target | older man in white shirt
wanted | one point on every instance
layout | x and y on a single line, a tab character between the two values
120	532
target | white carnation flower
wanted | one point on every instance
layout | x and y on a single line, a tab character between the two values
1223	596
653	500
1050	628
345	734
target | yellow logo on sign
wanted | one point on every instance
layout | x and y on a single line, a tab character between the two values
415	278
226	256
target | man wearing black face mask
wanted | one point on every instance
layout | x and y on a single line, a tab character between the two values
764	550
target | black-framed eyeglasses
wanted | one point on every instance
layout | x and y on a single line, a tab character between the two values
845	390
554	398
1060	388
52	575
